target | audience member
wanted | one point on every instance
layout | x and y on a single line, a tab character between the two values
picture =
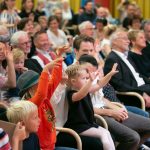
108	110
40	10
9	16
4	34
146	28
58	13
55	35
26	113
61	110
130	13
18	59
67	13
88	14
43	53
27	25
138	42
41	96
105	43
80	105
99	28
7	76
43	22
122	8
22	41
108	90
27	11
86	28
51	5
135	23
128	78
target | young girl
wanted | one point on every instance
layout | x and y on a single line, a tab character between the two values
81	114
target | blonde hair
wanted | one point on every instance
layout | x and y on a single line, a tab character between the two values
132	35
109	29
18	54
20	111
74	71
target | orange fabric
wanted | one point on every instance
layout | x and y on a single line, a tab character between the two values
46	87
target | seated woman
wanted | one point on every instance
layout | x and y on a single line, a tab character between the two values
138	42
55	35
7	77
135	56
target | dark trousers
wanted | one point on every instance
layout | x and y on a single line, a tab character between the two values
131	132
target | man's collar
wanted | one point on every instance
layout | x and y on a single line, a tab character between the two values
125	54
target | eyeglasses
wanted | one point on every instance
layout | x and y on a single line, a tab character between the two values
123	38
89	28
25	43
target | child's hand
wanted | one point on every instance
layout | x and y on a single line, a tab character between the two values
55	63
114	69
20	132
62	50
93	75
22	69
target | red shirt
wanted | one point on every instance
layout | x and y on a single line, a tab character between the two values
46	87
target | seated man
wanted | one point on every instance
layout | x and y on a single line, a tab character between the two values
122	124
21	40
128	78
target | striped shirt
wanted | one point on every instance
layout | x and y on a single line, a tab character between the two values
4	140
9	18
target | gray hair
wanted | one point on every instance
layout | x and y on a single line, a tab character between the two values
83	25
145	23
115	36
16	36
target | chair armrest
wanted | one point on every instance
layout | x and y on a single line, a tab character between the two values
118	104
102	120
73	133
136	95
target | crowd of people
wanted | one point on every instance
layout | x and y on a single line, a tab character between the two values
58	69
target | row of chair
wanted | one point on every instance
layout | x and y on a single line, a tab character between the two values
125	97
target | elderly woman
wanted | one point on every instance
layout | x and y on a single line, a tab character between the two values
135	56
138	42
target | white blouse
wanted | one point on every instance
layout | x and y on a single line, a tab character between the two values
59	40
